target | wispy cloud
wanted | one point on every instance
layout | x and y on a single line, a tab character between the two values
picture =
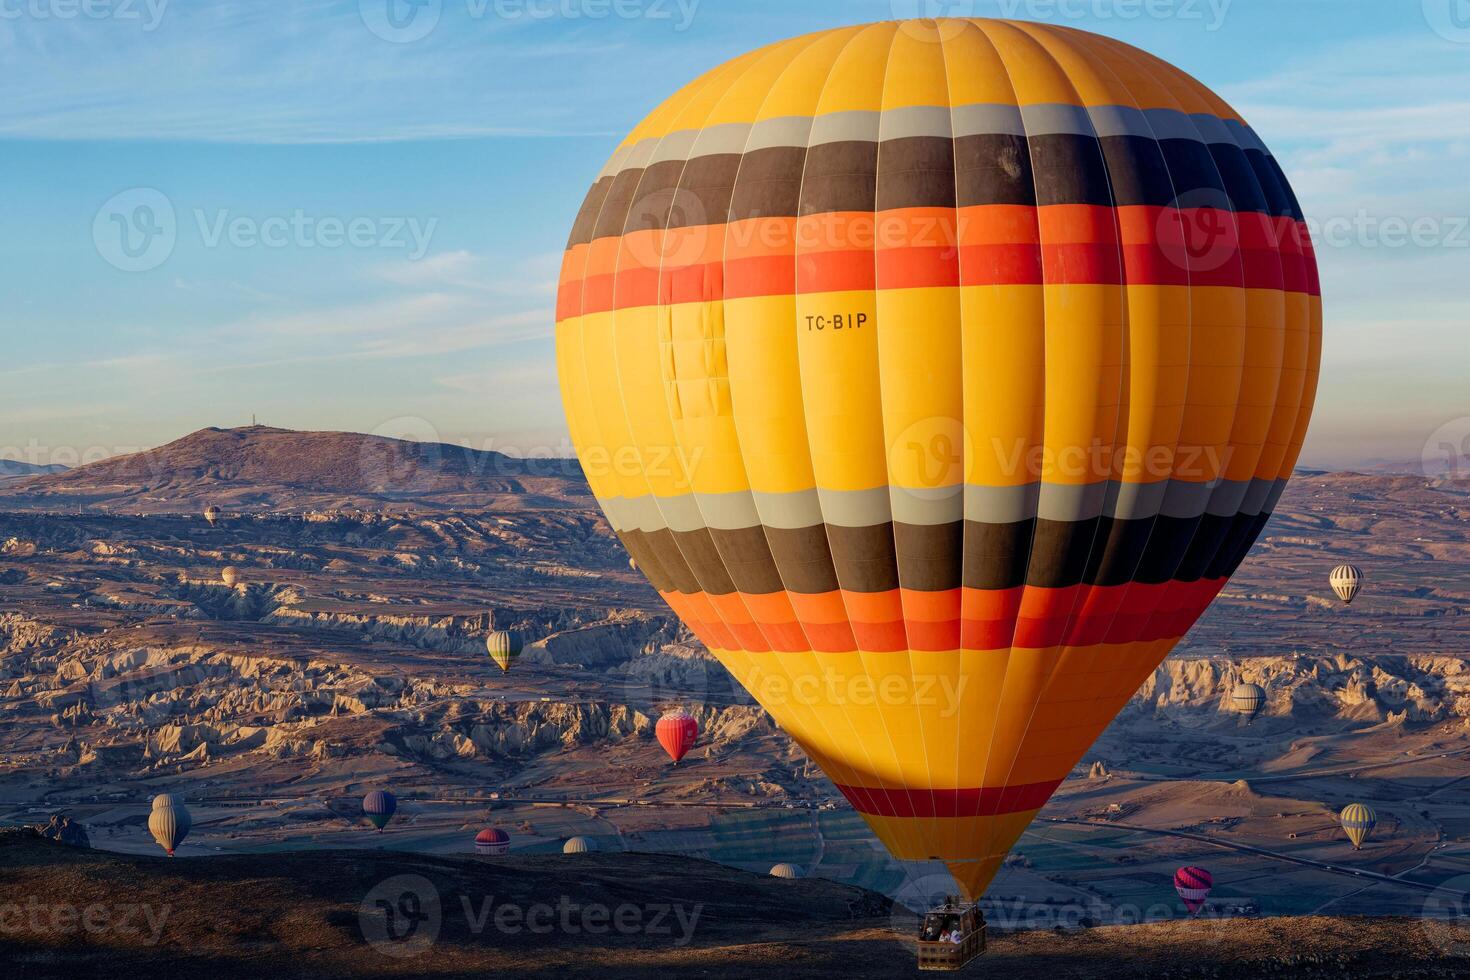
303	72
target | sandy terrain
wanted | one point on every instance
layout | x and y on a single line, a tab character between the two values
350	657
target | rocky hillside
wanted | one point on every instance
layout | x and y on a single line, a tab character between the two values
256	467
1316	689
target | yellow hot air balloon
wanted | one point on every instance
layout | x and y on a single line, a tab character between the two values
1358	820
212	515
938	374
230	575
1346	580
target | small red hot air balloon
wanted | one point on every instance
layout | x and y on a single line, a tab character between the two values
677	732
1193	885
492	841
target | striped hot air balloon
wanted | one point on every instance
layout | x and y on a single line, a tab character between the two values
1248	700
492	841
579	845
169	822
938	374
677	731
1346	580
379	807
212	515
785	870
1193	885
504	647
1358	819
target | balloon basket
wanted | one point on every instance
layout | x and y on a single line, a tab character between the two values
951	935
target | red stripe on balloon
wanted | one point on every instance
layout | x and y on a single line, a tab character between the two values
983	801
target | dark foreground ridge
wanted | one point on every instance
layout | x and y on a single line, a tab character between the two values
70	911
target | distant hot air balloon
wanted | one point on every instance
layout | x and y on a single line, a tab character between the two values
785	870
1248	700
230	575
1193	885
579	845
940	355
212	515
1358	819
379	806
492	841
504	647
169	822
677	732
1346	580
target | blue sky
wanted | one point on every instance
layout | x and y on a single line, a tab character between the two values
368	210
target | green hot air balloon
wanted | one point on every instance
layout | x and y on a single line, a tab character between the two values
1358	819
169	822
504	647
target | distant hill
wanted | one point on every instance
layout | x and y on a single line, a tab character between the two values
11	469
258	467
618	916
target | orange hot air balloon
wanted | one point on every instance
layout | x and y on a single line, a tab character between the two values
938	374
677	732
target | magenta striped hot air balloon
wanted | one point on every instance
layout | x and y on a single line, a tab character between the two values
1193	885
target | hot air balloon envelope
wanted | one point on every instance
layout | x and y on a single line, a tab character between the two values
492	841
1193	885
1346	581
1358	820
938	374
677	731
169	822
504	647
379	807
1248	700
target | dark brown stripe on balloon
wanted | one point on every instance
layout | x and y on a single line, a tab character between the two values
993	169
1047	554
586	222
839	177
769	183
917	172
803	559
1056	168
